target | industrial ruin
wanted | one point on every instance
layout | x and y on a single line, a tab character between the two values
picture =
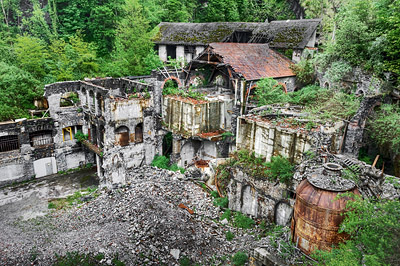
121	124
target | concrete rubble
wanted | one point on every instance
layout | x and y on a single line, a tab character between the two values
140	221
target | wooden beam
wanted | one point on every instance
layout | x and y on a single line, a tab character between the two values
375	161
206	62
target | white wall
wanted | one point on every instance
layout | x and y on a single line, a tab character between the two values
10	172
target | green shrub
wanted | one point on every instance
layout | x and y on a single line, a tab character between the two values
304	71
240	258
214	194
242	221
229	235
280	168
268	91
160	161
226	215
163	163
79	136
221	202
51	205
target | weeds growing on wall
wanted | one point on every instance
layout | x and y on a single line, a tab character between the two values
279	169
163	162
171	88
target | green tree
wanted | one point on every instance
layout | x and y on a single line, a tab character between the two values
268	91
37	25
17	91
134	47
175	11
31	55
72	60
374	227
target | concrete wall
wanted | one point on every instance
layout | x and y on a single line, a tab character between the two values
259	198
190	119
162	52
267	139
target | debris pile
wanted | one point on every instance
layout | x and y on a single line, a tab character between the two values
157	218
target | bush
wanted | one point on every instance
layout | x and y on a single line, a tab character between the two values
221	202
242	221
240	258
163	163
227	215
281	169
304	71
79	136
268	91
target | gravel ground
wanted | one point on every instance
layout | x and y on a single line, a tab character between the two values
141	222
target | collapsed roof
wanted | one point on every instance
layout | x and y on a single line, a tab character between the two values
279	34
252	60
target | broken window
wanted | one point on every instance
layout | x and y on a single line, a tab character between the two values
67	134
9	143
122	136
171	51
139	133
69	99
40	138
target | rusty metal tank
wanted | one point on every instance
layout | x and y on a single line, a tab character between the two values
317	212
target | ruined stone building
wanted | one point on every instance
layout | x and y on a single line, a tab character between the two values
188	40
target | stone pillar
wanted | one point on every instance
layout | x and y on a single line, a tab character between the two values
199	49
176	148
162	52
296	56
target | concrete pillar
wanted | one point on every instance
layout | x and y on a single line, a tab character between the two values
188	57
98	164
162	52
199	49
180	53
88	99
96	105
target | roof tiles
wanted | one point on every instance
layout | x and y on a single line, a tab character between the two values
253	61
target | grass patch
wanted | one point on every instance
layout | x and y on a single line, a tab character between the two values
74	199
229	235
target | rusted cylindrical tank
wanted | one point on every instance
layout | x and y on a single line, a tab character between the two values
317	212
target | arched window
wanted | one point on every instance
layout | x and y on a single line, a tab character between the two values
139	133
122	135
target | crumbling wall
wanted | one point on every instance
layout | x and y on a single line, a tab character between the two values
260	198
355	129
268	138
191	118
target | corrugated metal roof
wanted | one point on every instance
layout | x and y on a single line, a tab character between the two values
254	61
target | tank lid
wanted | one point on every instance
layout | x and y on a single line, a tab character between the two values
329	178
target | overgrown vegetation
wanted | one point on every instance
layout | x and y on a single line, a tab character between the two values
385	131
318	102
163	162
374	227
171	88
79	136
279	169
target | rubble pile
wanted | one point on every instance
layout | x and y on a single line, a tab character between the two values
148	221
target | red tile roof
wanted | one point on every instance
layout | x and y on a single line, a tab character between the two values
253	61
